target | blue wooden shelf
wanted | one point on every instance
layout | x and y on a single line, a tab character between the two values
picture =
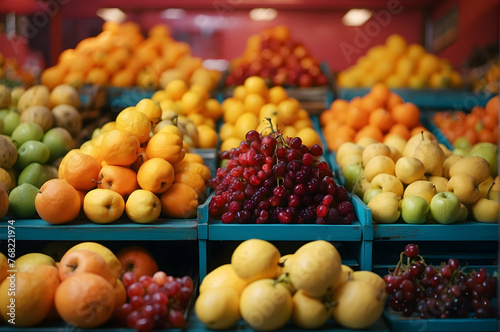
121	230
456	99
196	326
414	324
118	97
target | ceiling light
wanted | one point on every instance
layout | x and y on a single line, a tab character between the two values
263	14
356	17
111	14
173	13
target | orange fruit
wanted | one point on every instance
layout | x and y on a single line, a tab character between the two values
179	201
184	166
121	179
85	300
277	94
150	108
81	171
486	135
120	293
489	121
53	76
213	109
167	146
492	106
335	142
326	117
256	84
369	131
156	175
392	101
193	157
357	117
370	103
81	63
58	202
119	147
407	114
123	78
192	179
382	119
192	102
60	170
97	76
400	130
75	79
138	123
141	158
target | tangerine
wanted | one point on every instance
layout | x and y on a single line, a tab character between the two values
81	171
121	179
156	175
407	114
179	201
58	202
382	119
120	147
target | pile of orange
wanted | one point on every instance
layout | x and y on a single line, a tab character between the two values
479	125
126	159
253	103
378	113
122	56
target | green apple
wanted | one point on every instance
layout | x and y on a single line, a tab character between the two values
27	131
10	121
26	261
489	152
59	141
464	213
22	200
370	193
3	113
414	210
463	143
32	152
352	175
445	207
34	173
460	152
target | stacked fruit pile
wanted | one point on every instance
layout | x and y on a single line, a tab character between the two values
87	286
421	180
446	291
307	287
400	65
466	129
194	111
270	179
375	115
250	106
121	56
277	58
13	74
38	129
125	168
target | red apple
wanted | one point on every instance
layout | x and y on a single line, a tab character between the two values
305	80
314	71
276	61
299	51
307	62
292	62
321	80
255	68
82	260
138	260
293	77
267	54
279	78
285	51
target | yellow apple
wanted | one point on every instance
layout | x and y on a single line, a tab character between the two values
440	182
104	252
365	141
103	206
448	161
349	159
378	165
385	208
395	153
388	183
26	261
143	206
476	166
485	186
348	148
464	186
409	169
425	189
375	149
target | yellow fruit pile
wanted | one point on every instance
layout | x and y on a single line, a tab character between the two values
193	109
253	103
125	168
400	65
121	56
299	287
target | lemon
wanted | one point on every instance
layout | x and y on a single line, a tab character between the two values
255	259
246	122
143	206
223	276
218	308
150	108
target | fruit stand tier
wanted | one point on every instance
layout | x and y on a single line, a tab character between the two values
195	325
399	323
62	327
84	230
428	98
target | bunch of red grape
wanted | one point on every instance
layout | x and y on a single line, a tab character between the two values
156	302
271	179
447	291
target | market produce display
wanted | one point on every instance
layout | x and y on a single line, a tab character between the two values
279	59
312	284
400	65
12	74
38	129
269	179
466	129
420	180
121	56
250	106
375	116
450	290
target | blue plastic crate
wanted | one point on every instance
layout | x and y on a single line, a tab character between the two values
120	98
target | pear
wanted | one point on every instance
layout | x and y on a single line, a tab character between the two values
409	169
387	183
431	155
413	142
375	149
448	162
385	208
465	187
377	165
440	182
424	189
476	166
447	152
348	148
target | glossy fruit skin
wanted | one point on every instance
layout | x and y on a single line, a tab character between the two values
414	210
137	260
445	208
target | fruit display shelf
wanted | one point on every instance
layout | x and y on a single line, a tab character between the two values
195	325
413	324
427	97
212	232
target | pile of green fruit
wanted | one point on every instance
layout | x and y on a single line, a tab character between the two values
37	128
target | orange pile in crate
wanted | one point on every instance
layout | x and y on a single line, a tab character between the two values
375	115
480	125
